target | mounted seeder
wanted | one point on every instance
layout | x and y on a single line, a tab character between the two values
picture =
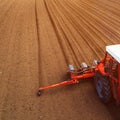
106	75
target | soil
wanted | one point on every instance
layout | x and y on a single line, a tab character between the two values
38	40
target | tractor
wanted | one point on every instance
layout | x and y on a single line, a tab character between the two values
104	72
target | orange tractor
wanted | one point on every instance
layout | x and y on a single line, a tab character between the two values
105	72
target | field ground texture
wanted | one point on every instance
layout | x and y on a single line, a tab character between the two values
38	39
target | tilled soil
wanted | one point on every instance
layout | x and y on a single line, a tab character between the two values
38	40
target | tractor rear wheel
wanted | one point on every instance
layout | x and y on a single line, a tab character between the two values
103	87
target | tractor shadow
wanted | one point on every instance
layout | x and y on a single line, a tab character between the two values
114	110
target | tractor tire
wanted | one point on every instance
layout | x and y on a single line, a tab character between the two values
103	87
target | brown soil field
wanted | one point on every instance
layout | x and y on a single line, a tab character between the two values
38	40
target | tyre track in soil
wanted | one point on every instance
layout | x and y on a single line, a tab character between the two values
53	67
72	21
71	39
48	42
56	32
42	38
110	8
4	9
90	37
61	23
96	37
109	14
55	99
83	37
5	55
90	31
63	38
80	32
95	30
19	78
113	24
68	103
112	108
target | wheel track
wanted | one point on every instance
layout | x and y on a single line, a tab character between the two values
92	28
63	41
108	31
50	49
97	23
76	26
110	13
101	29
4	40
93	37
73	41
69	42
56	32
104	17
74	46
7	74
58	20
110	6
108	10
67	12
38	41
6	12
20	69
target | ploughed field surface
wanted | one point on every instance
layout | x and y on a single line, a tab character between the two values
38	40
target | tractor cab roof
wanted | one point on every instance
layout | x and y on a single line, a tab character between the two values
114	51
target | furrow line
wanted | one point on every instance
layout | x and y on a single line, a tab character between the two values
103	16
81	32
70	38
4	14
38	41
56	31
97	25
62	38
73	40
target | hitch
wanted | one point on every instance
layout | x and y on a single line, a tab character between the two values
75	77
